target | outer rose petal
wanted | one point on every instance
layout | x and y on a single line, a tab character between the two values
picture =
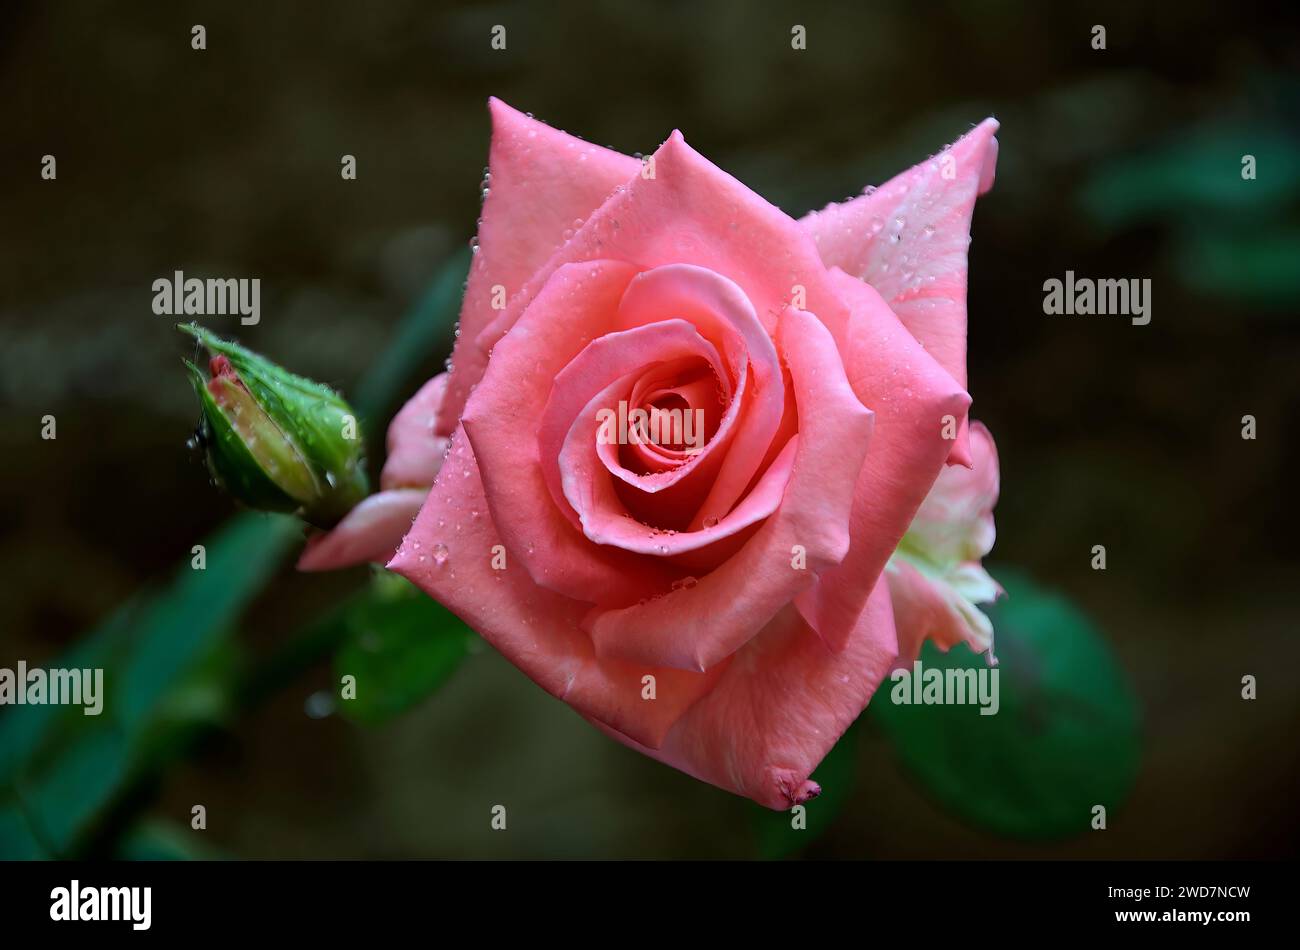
935	577
780	705
931	607
908	239
692	212
911	395
415	450
369	532
955	522
542	181
449	554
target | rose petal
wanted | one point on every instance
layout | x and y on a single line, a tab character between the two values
911	396
935	577
656	502
542	183
908	239
697	393
955	522
610	362
369	532
706	297
606	520
929	607
780	706
415	451
449	554
692	211
502	420
697	627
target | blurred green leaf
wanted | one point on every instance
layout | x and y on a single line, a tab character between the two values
64	798
18	842
837	774
1262	266
403	645
66	767
1199	175
24	729
156	840
183	624
1065	737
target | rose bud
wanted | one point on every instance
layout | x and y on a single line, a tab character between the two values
276	441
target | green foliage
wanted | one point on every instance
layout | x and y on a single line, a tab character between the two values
1065	737
402	646
167	655
1230	235
1198	174
61	768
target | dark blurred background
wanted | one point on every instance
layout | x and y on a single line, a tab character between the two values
1123	162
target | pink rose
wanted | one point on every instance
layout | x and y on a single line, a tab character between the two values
718	609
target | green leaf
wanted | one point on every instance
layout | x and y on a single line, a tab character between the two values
1259	266
64	798
1197	176
1064	739
66	767
179	627
18	841
156	840
403	645
773	830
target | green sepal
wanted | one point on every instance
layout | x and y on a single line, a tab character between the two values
230	461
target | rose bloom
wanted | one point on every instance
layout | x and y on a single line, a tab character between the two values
728	611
